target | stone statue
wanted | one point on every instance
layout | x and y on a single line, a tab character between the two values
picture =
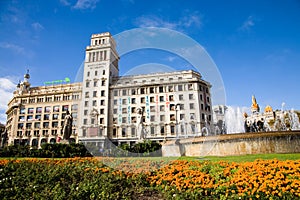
139	124
4	138
67	128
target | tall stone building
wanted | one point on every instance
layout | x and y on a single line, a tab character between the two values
109	107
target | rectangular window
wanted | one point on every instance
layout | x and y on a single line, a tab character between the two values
116	93
172	117
181	106
21	118
46	125
152	108
87	84
65	107
102	111
180	88
54	124
181	116
95	83
133	132
152	118
46	117
101	120
38	117
162	108
181	97
94	103
87	95
191	96
102	103
124	101
133	91
103	83
47	109
85	112
162	130
74	115
151	90
192	106
161	89
133	100
37	125
30	110
123	132
152	131
172	130
39	110
54	116
94	93
55	108
142	99
115	102
74	107
22	110
20	126
85	121
142	90
102	93
124	92
151	99
29	117
161	99
162	118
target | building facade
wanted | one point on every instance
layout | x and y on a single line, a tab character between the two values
35	115
105	106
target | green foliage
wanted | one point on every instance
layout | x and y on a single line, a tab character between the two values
40	180
47	151
145	148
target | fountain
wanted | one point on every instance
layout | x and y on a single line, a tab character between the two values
234	120
268	132
294	120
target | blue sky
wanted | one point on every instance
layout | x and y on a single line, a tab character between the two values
255	44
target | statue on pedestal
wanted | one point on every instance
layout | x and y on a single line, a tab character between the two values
3	138
139	124
67	127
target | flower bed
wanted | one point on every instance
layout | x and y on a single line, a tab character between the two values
90	178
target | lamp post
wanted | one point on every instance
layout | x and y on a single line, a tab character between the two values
177	108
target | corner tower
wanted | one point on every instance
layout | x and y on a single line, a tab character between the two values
100	66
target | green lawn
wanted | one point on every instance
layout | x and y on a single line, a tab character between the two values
242	158
245	158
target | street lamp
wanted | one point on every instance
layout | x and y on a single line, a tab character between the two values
177	108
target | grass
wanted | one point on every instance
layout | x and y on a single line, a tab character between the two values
246	158
238	158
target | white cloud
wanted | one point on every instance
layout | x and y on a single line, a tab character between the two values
188	20
37	26
15	48
80	4
65	2
7	86
248	24
85	4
